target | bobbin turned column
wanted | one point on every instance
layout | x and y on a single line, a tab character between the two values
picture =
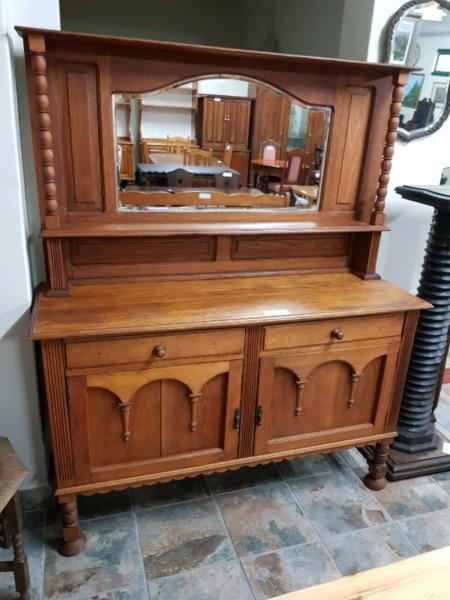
418	448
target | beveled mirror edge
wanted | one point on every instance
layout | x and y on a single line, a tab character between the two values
407	136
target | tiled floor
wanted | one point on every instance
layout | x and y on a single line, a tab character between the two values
253	533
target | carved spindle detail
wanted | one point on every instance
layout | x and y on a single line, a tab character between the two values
39	70
300	385
354	378
388	152
73	541
125	409
376	478
194	398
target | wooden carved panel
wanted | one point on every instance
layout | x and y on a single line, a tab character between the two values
292	246
354	145
181	249
81	136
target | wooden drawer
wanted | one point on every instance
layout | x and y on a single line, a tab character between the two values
154	349
321	332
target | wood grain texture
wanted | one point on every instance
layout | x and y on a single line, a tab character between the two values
253	339
58	410
161	306
58	283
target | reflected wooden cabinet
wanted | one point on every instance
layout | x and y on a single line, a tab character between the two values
225	120
271	119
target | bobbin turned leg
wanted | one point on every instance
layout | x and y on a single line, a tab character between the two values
73	540
376	478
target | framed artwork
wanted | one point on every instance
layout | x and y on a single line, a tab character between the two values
412	90
402	41
442	63
439	92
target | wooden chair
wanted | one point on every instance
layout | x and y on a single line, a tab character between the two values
179	145
227	155
198	157
179	178
12	474
291	173
149	145
269	150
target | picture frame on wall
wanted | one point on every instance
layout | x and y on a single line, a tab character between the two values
442	63
403	36
412	90
439	92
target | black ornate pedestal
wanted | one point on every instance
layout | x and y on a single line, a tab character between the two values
418	448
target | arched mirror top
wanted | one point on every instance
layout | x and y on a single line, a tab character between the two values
418	35
218	142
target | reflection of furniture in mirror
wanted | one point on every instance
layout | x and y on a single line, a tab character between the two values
270	121
422	117
203	198
226	120
227	180
180	145
214	334
269	150
126	159
266	170
227	155
291	173
179	178
149	145
198	157
418	35
445	176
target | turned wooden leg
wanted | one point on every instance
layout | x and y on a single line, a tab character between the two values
376	478
20	562
73	540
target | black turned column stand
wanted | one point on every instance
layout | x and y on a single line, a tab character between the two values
418	447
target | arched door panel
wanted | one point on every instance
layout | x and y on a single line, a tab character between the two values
157	420
314	398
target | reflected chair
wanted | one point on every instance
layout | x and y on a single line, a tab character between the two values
268	150
291	173
179	178
180	145
198	157
227	155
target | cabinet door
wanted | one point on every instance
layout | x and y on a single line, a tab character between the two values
271	117
132	423
238	123
322	397
214	122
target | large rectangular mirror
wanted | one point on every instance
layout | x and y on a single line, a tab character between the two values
221	143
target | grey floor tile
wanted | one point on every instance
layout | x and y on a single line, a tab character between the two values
353	458
243	478
132	593
110	561
310	465
264	518
40	498
289	569
222	581
336	502
443	479
168	493
429	531
182	537
369	548
412	497
97	505
442	414
33	537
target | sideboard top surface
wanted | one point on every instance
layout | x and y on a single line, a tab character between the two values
133	308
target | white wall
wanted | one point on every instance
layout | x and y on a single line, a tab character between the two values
418	162
19	403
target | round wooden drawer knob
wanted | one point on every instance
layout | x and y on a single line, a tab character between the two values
337	334
159	351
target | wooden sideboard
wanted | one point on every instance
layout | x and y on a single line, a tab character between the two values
180	342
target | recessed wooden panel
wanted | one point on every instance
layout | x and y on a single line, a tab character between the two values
354	146
106	251
129	350
81	136
272	246
320	332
